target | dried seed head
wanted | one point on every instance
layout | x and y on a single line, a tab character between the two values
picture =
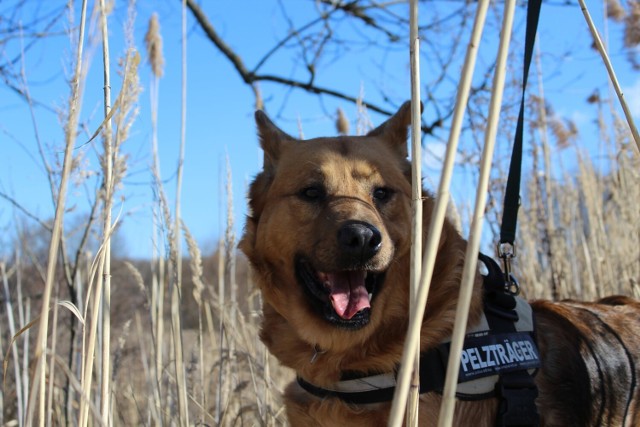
153	41
259	101
615	10
632	25
565	131
594	98
342	124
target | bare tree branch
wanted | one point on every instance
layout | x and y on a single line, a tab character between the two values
251	77
22	209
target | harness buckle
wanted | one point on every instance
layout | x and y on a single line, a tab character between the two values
517	405
507	251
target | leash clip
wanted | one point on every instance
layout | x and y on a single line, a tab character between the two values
507	251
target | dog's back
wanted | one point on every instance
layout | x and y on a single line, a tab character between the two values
590	356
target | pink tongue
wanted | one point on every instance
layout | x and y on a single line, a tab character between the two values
347	292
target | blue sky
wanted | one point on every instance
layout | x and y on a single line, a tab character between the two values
220	106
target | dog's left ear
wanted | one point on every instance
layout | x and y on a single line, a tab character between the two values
396	129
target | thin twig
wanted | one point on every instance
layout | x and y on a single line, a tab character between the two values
22	209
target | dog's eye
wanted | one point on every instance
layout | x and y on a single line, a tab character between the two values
311	194
382	194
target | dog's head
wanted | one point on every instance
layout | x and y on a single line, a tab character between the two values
329	218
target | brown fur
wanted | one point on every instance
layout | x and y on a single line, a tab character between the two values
588	350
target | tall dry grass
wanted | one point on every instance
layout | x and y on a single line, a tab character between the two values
579	228
134	344
174	341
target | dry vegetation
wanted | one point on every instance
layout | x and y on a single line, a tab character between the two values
177	343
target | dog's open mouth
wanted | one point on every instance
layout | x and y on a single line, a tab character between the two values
343	297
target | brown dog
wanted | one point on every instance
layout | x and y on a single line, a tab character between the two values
328	238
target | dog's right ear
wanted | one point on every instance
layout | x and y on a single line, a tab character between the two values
271	139
396	129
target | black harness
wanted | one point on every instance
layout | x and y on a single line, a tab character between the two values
496	363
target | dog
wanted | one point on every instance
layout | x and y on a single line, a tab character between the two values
328	238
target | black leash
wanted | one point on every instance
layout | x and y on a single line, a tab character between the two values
506	248
517	407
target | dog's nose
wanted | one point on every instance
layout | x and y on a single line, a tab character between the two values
359	240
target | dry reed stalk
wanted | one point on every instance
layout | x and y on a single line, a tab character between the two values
108	164
176	296
177	344
416	201
227	379
612	74
528	226
153	399
591	194
3	388
221	330
363	121
412	343
473	246
95	411
24	315
113	171
14	346
267	379
153	43
52	364
202	403
230	256
89	345
549	214
83	261
198	289
159	276
39	378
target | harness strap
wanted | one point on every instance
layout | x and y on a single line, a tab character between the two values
516	389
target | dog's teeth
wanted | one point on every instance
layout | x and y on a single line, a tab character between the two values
370	296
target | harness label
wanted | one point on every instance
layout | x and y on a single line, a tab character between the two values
487	354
